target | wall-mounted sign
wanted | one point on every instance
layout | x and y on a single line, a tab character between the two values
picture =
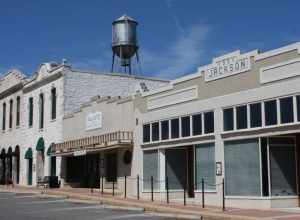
79	153
93	121
219	168
227	65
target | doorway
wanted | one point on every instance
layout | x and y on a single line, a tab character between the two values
111	167
29	175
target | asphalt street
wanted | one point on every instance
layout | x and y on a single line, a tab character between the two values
19	206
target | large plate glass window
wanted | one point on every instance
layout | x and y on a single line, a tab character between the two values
255	115
146	133
175	128
164	129
150	165
286	110
208	122
241	117
197	124
271	112
242	168
205	165
228	119
185	126
155	131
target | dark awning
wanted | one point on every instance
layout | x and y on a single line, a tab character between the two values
40	146
49	150
28	154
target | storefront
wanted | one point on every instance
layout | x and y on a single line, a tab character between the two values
98	144
236	120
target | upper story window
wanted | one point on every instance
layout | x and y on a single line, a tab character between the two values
155	131
146	133
185	126
53	103
241	117
30	110
164	130
228	119
18	111
197	124
255	115
175	128
209	122
11	104
286	110
271	112
41	111
180	127
4	116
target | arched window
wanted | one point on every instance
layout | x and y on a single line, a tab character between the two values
18	111
4	116
53	103
11	104
41	103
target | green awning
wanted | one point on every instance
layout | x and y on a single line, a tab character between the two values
40	144
49	150
28	154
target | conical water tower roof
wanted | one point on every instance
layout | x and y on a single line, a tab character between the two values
123	18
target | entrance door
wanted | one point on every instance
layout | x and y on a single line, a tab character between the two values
29	177
111	167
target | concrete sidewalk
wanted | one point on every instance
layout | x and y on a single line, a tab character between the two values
178	210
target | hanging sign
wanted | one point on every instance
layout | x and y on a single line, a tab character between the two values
93	121
227	65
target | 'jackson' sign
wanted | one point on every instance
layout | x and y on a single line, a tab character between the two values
227	65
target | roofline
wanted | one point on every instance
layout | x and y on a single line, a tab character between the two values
119	74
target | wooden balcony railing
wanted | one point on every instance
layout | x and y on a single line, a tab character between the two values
104	140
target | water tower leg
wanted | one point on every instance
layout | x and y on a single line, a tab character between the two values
113	62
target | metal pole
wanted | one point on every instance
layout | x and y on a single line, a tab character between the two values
203	205
223	188
138	187
102	185
113	187
184	194
152	188
167	188
125	193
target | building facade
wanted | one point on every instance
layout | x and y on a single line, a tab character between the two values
237	120
33	110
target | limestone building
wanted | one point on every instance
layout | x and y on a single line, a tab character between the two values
32	111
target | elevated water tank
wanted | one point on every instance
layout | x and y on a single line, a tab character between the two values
124	39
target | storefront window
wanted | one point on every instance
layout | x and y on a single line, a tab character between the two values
150	165
286	110
228	119
242	168
205	165
185	126
208	122
164	130
271	112
146	133
155	131
255	115
241	117
197	124
175	128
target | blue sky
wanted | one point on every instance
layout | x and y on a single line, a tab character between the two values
175	36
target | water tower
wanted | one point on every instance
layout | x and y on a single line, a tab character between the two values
124	43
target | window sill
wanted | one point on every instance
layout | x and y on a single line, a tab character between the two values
41	130
53	120
18	126
30	126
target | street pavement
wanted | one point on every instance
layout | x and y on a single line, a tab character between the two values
24	206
